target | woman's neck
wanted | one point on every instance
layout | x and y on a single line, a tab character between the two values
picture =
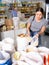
38	20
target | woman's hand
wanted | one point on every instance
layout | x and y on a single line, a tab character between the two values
42	30
28	33
37	35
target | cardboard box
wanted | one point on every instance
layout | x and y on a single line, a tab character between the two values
8	22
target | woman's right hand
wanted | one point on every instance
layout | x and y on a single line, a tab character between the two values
28	33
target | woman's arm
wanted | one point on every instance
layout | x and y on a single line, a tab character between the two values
29	21
28	28
42	30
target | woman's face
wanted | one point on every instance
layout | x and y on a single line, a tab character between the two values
38	15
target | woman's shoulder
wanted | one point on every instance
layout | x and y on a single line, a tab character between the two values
30	18
44	21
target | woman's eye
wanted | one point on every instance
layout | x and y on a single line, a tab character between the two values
38	14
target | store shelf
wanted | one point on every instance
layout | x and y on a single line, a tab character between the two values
2	10
29	8
3	16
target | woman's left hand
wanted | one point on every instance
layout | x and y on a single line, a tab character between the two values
37	35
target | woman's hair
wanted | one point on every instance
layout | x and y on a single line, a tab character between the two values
40	9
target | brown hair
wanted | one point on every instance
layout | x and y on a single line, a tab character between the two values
40	9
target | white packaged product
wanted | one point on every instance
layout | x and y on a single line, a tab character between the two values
21	43
34	56
6	57
20	63
31	62
8	40
43	49
18	55
8	44
34	41
29	58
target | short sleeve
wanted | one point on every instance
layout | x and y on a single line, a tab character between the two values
30	19
45	23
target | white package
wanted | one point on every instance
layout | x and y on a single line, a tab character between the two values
34	56
43	49
34	41
6	55
21	43
20	63
8	44
31	62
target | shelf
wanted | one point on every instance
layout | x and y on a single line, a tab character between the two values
2	10
29	9
3	16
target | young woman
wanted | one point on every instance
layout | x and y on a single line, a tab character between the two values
37	24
